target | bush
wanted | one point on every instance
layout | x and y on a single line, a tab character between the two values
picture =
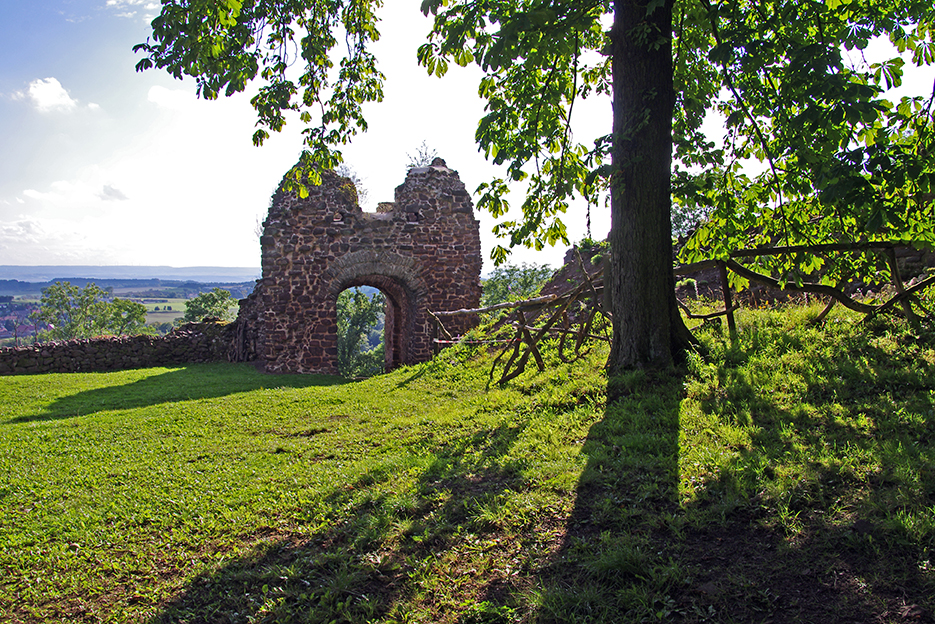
217	303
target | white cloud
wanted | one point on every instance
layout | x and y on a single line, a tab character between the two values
68	222
49	95
37	240
110	193
126	8
22	231
67	195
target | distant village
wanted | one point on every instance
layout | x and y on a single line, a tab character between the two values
19	300
15	325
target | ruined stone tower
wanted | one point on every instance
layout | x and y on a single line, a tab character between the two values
422	251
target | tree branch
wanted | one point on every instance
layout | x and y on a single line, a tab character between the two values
815	288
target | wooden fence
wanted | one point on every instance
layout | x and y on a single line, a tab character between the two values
581	313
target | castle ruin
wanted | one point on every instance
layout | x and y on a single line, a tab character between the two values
422	251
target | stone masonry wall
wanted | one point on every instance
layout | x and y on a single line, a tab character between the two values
194	342
422	251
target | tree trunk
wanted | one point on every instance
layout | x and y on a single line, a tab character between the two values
648	330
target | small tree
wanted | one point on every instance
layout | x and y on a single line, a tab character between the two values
125	317
216	303
69	311
514	283
358	314
423	157
258	227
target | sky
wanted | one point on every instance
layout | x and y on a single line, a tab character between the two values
102	165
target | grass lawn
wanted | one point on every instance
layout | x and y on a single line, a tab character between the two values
790	478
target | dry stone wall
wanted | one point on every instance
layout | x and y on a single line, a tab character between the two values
191	343
422	251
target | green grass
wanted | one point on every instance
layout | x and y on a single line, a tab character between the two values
788	478
165	316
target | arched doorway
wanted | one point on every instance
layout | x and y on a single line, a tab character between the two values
397	277
398	316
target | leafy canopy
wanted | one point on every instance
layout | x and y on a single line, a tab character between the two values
216	303
225	44
539	58
841	162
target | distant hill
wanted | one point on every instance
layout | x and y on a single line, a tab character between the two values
51	273
138	281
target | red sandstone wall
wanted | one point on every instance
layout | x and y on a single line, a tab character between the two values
423	251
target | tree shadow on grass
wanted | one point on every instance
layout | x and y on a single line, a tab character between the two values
793	528
827	515
787	526
369	548
196	381
608	566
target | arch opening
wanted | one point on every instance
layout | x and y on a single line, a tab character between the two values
398	315
360	322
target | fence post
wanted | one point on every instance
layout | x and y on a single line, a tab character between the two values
728	304
900	289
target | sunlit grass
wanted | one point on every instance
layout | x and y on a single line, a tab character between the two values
214	493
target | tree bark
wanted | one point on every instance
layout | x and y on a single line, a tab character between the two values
648	329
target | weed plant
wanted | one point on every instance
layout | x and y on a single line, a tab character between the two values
787	477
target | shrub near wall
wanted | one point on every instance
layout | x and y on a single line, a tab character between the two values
191	343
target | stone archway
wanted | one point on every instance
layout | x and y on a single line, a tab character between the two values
399	279
397	322
422	251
